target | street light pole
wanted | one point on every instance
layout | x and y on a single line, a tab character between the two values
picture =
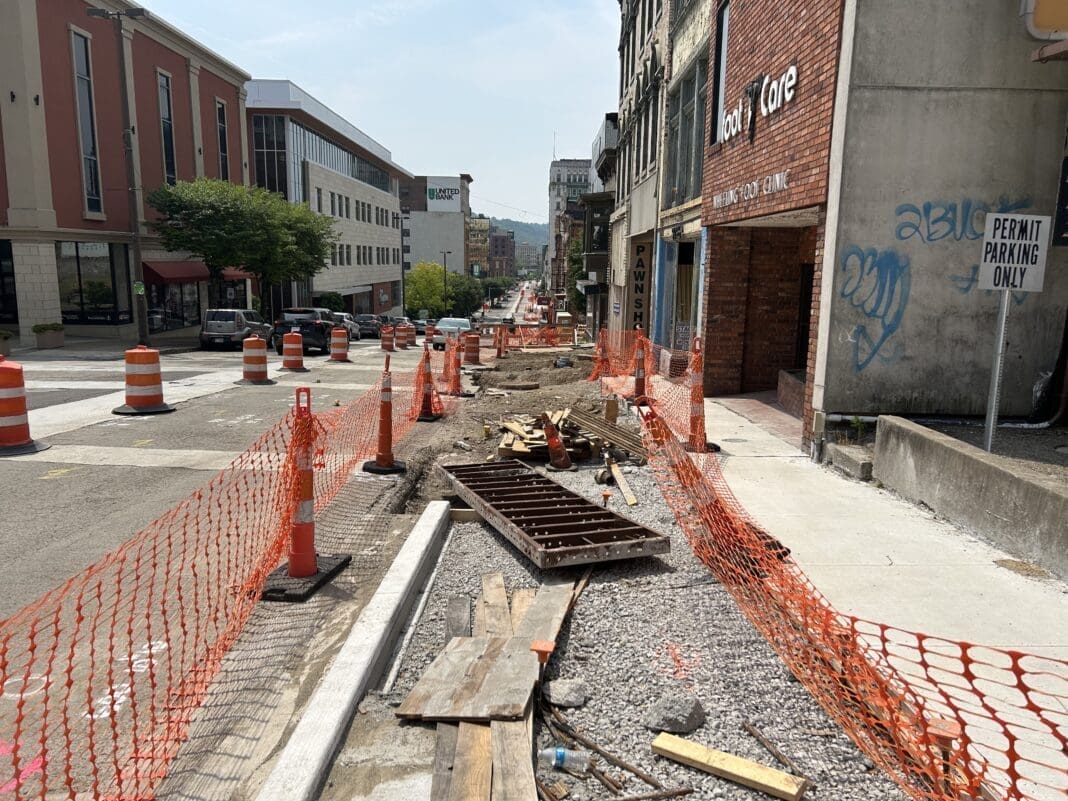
128	133
445	280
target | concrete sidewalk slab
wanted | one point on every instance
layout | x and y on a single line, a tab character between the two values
879	557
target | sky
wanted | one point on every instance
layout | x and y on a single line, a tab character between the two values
449	86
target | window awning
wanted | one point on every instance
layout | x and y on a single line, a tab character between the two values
168	272
236	274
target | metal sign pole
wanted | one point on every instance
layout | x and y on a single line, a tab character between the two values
994	398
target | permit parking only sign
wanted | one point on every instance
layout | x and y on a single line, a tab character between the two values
1014	252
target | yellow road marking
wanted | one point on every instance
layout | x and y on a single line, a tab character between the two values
140	443
58	472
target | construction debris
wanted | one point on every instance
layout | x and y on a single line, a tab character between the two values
728	766
608	434
772	749
621	482
549	524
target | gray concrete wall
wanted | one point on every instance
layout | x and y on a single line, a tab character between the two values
960	482
948	118
435	231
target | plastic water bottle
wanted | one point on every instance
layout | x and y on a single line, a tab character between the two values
561	758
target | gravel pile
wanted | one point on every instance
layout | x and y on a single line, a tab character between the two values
647	629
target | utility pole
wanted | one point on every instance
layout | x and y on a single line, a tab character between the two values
128	133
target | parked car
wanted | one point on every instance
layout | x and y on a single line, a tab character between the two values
508	319
420	326
400	321
369	324
313	324
449	326
230	327
351	325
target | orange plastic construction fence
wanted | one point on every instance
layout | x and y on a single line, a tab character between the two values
100	678
947	720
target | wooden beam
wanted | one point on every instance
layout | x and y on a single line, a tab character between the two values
621	482
513	763
521	601
472	771
498	619
728	766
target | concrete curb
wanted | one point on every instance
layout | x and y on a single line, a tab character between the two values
305	762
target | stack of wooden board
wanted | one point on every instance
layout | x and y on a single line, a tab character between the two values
603	433
480	691
524	438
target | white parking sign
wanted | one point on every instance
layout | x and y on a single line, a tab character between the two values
1014	252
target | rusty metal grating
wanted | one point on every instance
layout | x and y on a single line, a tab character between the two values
551	525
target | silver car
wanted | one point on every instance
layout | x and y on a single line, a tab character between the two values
347	320
228	328
449	326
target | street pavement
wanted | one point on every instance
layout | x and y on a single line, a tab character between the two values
106	476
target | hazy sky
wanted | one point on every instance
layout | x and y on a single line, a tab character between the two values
449	86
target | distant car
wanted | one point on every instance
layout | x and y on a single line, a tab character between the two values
449	326
351	325
508	320
313	324
370	325
420	326
230	327
400	321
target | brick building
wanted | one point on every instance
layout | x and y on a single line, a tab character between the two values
478	245
844	202
501	253
65	227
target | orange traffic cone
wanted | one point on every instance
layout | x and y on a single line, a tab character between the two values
14	420
639	366
431	408
602	367
384	463
696	441
302	558
558	458
144	383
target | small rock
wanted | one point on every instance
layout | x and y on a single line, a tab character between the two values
678	713
566	692
461	445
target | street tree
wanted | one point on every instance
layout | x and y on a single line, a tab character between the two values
424	289
228	225
465	295
575	272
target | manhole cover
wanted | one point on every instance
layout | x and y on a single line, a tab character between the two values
1061	449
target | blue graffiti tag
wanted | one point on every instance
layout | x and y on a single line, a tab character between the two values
936	220
877	282
966	283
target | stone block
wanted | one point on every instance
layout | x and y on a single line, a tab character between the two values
851	459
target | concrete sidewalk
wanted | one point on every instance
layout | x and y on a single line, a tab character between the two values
878	557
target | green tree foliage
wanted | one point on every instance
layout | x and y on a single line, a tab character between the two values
576	271
465	295
424	289
332	301
227	225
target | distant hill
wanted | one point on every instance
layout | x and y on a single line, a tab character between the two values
535	233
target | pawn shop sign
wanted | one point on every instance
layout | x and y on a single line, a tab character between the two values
1014	252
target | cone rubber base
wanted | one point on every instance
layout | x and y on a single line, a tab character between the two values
162	408
428	418
340	361
571	469
244	382
374	468
33	446
280	586
295	369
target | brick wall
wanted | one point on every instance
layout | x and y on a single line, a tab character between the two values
765	38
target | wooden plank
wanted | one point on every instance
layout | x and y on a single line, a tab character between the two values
472	772
621	482
515	428
513	763
546	615
498	620
450	667
457	624
464	516
521	601
479	617
728	766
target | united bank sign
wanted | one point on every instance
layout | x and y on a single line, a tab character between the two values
443	193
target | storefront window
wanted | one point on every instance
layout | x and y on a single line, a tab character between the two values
9	307
172	306
94	285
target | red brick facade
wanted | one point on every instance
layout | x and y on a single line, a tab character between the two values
759	279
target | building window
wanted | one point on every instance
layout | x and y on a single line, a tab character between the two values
720	85
83	78
319	200
224	145
166	120
348	208
269	143
333	205
333	255
94	285
9	304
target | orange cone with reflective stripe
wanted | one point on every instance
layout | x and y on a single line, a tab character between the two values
431	408
302	557
558	458
696	441
254	361
339	344
639	365
384	462
14	419
144	383
602	364
293	353
388	332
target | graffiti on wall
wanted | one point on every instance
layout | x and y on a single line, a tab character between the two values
877	281
877	284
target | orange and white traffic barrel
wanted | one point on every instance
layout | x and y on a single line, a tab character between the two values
339	344
384	463
472	341
14	419
388	334
429	338
144	383
293	353
400	337
254	361
413	336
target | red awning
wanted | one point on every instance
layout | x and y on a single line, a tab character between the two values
169	272
236	274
